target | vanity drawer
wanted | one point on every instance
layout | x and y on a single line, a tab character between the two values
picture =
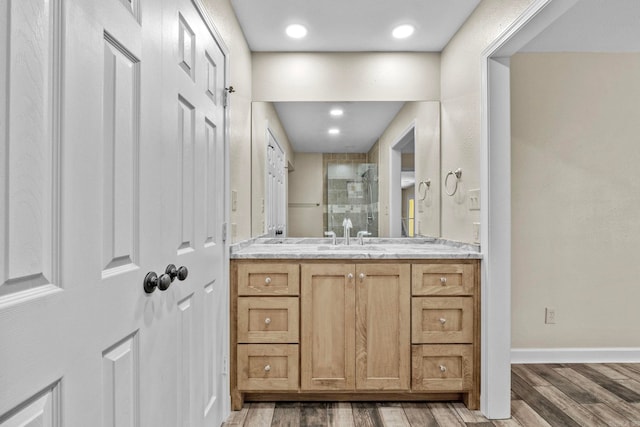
268	320
267	367
446	367
442	320
442	279
268	279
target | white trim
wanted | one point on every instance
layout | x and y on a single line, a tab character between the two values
576	355
395	193
495	176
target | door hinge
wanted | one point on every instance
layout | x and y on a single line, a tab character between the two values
225	96
224	231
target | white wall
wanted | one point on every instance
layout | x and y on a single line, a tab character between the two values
350	76
575	199
305	187
460	98
240	112
263	114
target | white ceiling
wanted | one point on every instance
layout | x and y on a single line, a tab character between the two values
593	26
307	125
351	25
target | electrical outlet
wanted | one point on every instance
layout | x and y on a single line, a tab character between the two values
234	230
474	200
234	200
476	232
550	316
262	205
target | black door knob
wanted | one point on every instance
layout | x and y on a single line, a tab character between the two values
181	273
172	271
164	281
152	281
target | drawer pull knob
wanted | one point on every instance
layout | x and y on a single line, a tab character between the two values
267	281
443	281
443	320
362	276
267	320
443	368
350	276
267	368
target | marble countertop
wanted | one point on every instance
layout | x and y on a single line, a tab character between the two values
373	248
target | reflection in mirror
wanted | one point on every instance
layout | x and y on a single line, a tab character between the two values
352	194
350	172
407	188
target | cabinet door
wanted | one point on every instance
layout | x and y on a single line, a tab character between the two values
382	326
327	325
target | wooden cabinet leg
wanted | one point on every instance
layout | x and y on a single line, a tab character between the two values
471	401
237	400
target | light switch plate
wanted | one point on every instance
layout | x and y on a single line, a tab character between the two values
476	232
474	200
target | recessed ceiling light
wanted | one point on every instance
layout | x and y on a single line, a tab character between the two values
402	31
334	131
296	31
336	112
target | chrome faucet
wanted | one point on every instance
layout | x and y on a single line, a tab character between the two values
331	234
346	223
361	234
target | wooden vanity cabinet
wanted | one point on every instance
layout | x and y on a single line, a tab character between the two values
445	325
264	327
354	327
353	330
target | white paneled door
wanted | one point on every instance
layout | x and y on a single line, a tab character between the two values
112	165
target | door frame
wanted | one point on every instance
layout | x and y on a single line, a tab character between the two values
270	135
495	185
395	190
217	37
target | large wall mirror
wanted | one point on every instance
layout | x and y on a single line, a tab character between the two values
375	163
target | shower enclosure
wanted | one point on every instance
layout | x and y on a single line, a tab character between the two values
352	192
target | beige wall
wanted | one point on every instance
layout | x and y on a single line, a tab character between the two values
263	114
240	112
575	199
426	116
352	76
460	96
305	188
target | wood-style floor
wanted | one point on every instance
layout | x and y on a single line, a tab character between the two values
562	395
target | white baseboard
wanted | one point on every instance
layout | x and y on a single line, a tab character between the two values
575	355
